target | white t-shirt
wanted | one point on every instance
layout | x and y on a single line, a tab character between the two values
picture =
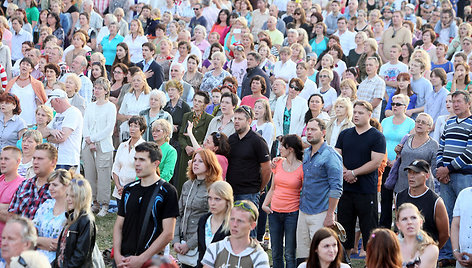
329	96
389	72
69	150
347	41
27	99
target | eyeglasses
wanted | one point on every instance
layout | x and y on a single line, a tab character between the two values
22	261
78	182
422	122
413	263
245	206
239	48
397	104
196	8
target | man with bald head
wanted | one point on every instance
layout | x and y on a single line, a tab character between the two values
79	66
274	12
177	71
275	35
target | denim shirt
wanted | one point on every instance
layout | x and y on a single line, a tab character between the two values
323	179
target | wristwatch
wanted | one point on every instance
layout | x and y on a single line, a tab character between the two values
455	250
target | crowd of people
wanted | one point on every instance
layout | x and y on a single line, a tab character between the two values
209	122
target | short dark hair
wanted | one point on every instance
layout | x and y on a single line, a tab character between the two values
256	56
155	153
321	123
13	99
150	45
364	104
53	67
261	80
234	98
439	72
246	110
463	93
204	94
28	60
139	120
48	147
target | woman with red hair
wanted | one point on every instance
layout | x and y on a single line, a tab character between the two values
12	126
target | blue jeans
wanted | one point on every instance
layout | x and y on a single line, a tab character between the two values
280	225
254	198
66	167
449	193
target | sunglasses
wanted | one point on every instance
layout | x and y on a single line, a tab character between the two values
22	261
246	207
78	182
294	87
413	263
397	104
239	48
196	8
247	110
297	14
422	122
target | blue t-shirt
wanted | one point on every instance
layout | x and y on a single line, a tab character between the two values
411	105
448	67
394	133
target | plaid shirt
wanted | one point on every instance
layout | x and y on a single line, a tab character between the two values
28	197
371	89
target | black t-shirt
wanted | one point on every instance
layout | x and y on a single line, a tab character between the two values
72	9
246	155
357	150
132	207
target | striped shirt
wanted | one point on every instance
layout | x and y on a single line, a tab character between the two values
455	146
3	77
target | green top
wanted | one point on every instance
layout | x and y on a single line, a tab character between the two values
168	161
32	14
449	85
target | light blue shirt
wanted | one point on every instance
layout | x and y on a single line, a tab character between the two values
436	104
109	47
322	179
16	43
394	133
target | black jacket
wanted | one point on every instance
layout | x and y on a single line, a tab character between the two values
80	242
219	235
246	86
157	79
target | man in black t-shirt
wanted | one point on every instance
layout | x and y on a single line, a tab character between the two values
362	148
249	158
132	210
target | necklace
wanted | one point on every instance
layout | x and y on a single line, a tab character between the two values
19	79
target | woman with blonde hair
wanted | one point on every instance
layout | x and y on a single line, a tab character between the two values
416	246
28	143
51	215
134	101
202	171
383	250
424	56
77	239
79	40
97	147
235	35
135	40
298	53
263	123
72	86
161	133
214	78
214	226
465	29
341	121
349	89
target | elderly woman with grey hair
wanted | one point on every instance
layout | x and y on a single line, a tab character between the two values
72	86
97	146
157	101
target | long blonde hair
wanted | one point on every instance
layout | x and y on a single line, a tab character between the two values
146	89
424	240
81	191
224	191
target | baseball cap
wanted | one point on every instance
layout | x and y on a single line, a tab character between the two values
419	166
410	6
56	94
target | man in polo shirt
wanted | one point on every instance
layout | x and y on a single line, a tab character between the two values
33	192
249	160
19	36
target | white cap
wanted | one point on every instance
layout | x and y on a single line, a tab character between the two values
56	94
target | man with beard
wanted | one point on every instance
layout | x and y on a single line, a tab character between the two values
322	187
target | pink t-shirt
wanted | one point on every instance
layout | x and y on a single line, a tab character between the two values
223	163
250	101
287	188
7	190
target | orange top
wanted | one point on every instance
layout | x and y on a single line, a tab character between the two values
287	188
37	86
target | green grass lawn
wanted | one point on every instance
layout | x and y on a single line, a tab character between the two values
105	237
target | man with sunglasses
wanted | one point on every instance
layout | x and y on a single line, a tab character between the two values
238	249
199	19
396	34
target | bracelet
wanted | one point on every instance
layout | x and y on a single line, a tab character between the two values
455	250
352	171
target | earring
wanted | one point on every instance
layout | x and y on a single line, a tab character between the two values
419	237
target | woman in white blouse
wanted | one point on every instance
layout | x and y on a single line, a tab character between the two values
135	40
97	146
342	121
135	101
123	171
290	110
